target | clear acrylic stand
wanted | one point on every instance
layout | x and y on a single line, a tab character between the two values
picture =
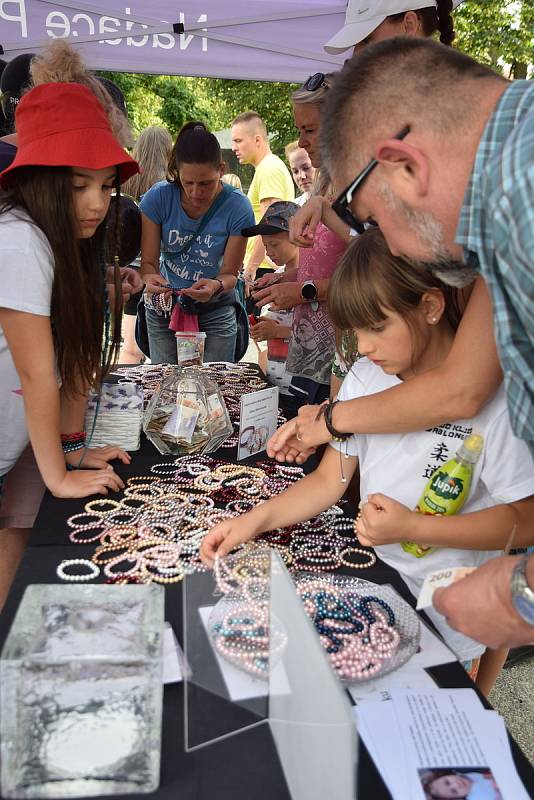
300	698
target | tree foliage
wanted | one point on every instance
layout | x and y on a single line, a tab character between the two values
270	100
160	100
495	32
499	33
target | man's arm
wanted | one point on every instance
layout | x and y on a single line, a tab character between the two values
480	605
285	295
458	389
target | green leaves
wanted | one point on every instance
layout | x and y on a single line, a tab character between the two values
270	100
499	33
496	32
170	101
160	100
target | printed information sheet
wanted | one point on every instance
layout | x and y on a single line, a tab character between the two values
440	743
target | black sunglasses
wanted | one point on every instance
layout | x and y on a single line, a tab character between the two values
314	82
342	204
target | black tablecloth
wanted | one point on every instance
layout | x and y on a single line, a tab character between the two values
247	764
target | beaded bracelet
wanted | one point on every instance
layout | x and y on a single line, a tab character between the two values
117	550
144	480
119	535
122	518
164	468
109	568
94	519
104	507
358	565
133	504
77	536
157	577
94	571
70	442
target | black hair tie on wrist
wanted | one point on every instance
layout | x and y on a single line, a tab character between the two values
336	435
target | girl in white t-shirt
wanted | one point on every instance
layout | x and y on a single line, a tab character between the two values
404	321
54	309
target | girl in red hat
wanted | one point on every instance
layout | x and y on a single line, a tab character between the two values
54	309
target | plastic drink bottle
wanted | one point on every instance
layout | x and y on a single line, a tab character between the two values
448	487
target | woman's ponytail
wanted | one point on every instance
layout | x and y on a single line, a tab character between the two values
195	144
437	19
445	21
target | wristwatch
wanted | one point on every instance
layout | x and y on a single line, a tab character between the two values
308	291
522	594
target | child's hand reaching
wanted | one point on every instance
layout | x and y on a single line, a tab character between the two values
383	520
225	537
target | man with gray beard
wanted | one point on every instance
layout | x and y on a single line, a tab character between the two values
439	152
451	183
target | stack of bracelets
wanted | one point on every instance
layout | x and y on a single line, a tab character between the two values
234	380
240	627
154	532
357	630
70	442
161	303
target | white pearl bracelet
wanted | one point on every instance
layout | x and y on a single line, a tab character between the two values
94	570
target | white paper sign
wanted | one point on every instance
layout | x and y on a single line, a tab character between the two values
449	730
258	420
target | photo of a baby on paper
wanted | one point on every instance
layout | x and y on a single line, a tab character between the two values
459	783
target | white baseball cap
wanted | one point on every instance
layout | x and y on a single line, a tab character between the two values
363	16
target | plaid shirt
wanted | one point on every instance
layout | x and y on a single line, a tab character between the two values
496	230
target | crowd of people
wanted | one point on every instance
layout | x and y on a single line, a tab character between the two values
394	294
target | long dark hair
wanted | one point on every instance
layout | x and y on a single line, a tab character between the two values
434	19
194	145
80	310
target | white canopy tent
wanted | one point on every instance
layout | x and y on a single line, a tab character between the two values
249	39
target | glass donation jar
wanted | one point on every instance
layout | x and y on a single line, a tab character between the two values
187	414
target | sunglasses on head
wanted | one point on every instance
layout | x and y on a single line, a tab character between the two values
314	82
342	204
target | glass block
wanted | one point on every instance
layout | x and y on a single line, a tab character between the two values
81	692
187	414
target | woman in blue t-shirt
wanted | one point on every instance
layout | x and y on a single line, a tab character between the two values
192	248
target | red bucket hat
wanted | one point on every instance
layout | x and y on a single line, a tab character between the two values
64	125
